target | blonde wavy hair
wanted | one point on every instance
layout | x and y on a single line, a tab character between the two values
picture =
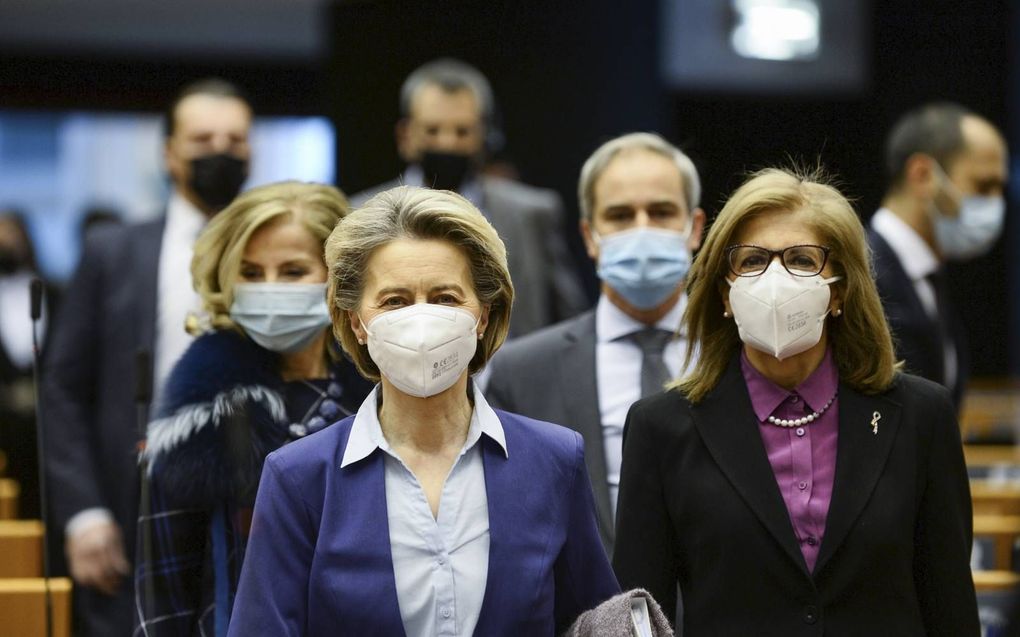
860	339
406	212
220	247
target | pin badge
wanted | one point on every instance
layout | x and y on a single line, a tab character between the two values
874	422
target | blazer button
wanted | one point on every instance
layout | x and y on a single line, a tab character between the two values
810	614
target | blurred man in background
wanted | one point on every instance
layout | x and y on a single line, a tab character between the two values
131	293
447	109
947	171
17	396
641	222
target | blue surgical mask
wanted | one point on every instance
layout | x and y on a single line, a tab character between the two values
644	265
281	317
975	228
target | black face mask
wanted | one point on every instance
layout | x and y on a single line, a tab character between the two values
10	261
217	179
444	171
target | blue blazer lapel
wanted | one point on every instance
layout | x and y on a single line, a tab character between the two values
503	489
366	531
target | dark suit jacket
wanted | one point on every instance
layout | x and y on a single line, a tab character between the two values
916	336
530	222
550	376
699	506
319	563
106	316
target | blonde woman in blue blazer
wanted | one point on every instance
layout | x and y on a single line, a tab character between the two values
428	512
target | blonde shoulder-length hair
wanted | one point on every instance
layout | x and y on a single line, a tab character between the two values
407	212
220	247
860	339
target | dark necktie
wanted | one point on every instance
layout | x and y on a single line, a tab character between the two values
654	373
940	287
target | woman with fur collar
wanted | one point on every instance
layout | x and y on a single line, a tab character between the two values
264	372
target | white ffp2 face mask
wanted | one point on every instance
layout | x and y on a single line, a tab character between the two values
779	313
424	348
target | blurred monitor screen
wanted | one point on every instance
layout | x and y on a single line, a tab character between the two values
55	167
765	46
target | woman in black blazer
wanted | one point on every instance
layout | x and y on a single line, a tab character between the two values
795	482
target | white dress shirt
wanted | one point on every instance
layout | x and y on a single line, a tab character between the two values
440	564
177	297
618	374
919	262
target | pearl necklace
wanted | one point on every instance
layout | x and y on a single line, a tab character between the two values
797	422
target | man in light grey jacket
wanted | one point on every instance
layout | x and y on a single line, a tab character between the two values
447	109
640	222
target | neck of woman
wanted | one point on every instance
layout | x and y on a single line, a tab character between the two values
309	362
429	425
789	372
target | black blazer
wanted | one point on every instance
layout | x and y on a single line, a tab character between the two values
916	336
699	506
107	314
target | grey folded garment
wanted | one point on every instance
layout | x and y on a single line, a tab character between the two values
612	618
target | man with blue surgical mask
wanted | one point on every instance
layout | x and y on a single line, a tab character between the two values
640	223
945	202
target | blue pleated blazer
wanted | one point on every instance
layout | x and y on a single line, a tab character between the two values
319	563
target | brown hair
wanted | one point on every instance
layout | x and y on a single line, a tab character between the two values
861	343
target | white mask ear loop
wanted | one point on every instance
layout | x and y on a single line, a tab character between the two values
364	326
946	184
478	321
830	281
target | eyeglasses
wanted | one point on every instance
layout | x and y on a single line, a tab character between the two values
805	260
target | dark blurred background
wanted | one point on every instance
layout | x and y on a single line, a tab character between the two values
567	76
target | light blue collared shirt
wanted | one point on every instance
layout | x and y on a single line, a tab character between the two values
440	564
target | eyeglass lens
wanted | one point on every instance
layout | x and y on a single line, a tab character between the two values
806	260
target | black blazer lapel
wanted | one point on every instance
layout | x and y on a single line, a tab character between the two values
861	454
728	426
580	391
147	246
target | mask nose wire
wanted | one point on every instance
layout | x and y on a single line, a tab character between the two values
364	324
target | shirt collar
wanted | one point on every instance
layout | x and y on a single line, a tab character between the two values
913	252
612	323
766	396
471	189
183	219
367	436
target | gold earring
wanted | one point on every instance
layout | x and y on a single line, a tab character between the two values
837	312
